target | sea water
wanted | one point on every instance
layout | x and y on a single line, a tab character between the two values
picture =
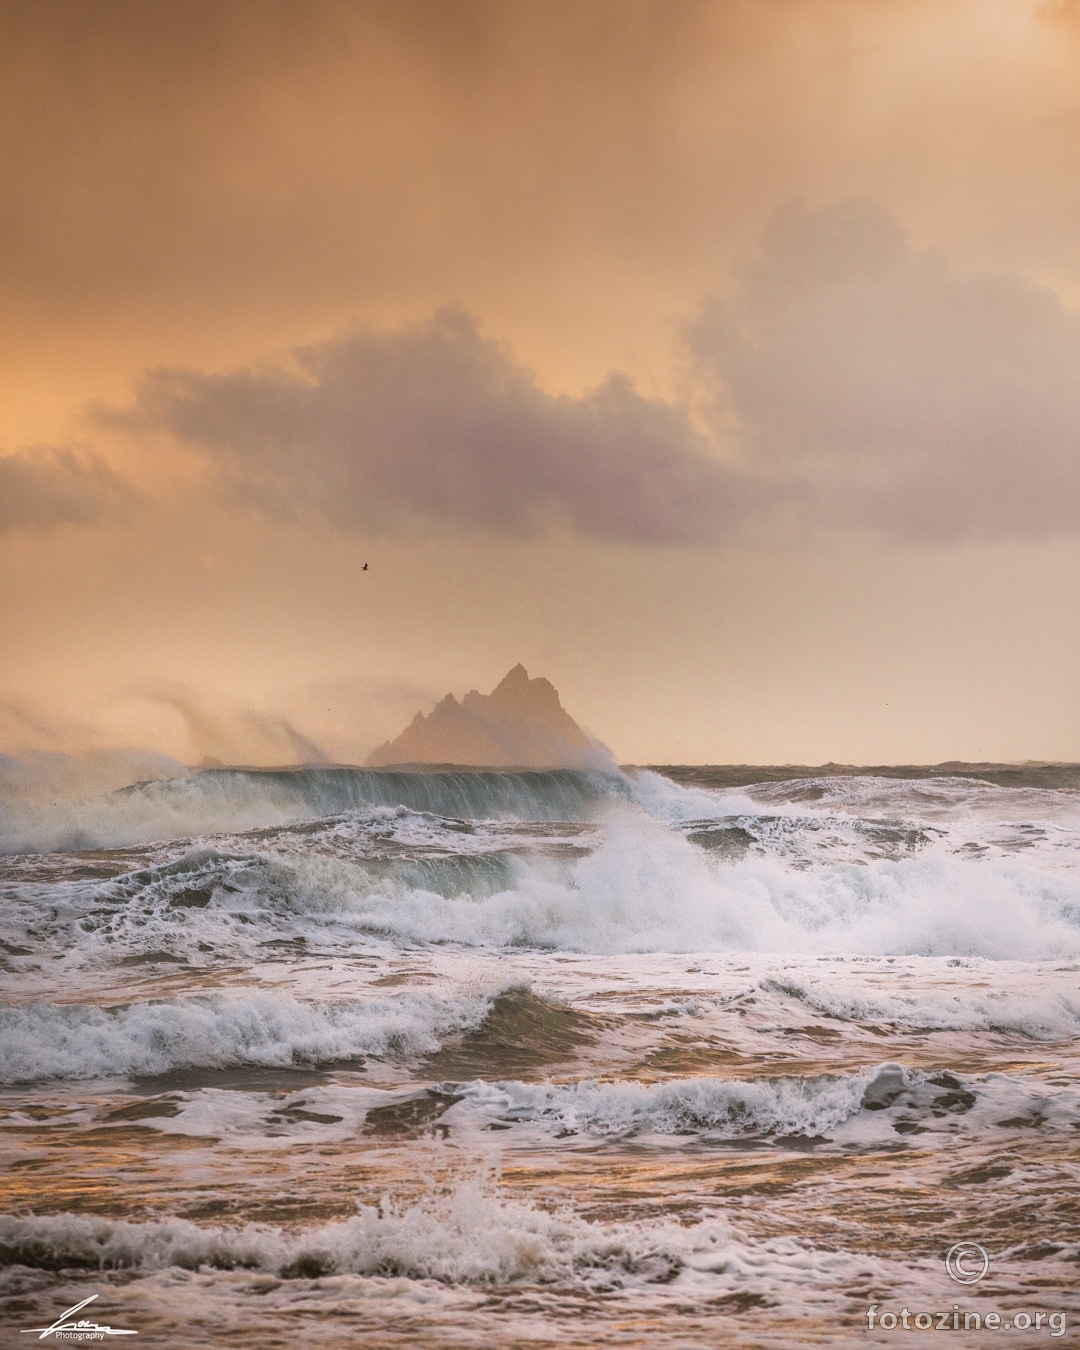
333	1056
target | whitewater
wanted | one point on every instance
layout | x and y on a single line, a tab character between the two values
689	1058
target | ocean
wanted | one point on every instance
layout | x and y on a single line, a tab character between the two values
704	1057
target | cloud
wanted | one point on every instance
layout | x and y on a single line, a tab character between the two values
849	379
46	486
434	424
874	385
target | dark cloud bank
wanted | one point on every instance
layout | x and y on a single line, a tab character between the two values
436	424
855	382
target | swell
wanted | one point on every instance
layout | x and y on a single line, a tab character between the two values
1048	776
217	801
39	1041
550	794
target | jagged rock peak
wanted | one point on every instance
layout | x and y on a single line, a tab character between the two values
520	724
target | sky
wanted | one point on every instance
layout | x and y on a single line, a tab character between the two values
718	360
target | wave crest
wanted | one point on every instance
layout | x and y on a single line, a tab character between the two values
71	1040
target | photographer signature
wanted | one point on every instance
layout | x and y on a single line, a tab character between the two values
77	1330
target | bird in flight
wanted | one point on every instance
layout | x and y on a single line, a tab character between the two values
364	568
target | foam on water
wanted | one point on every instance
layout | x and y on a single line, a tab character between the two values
70	1040
1048	1015
853	1109
721	1107
470	1235
502	951
843	1110
646	888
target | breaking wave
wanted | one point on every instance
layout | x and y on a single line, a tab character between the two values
716	1106
1044	1016
470	1235
217	801
71	1040
648	889
644	888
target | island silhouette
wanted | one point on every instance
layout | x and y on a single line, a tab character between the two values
520	724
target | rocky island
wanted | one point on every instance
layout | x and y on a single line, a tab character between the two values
520	724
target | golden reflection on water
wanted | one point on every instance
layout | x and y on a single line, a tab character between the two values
125	1151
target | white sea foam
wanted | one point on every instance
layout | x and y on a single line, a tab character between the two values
702	1105
664	799
1048	1014
708	1106
646	888
49	1040
843	1109
467	1237
827	886
470	1235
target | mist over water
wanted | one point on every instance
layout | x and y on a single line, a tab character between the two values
535	1045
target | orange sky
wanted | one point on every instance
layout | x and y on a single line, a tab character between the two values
291	288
